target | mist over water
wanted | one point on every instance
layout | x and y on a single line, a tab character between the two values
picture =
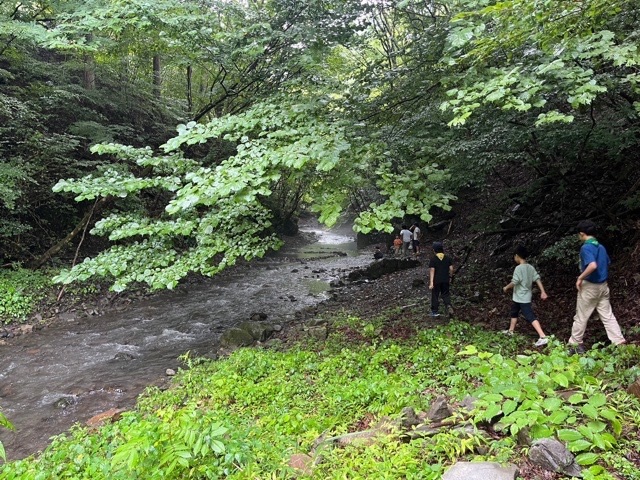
73	370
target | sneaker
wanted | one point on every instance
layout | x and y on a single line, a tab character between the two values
507	332
435	314
576	349
541	341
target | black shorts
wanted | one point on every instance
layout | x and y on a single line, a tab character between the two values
525	309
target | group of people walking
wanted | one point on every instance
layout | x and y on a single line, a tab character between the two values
591	285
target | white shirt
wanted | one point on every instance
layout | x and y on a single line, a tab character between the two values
416	233
406	235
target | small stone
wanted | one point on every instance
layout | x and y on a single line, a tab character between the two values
170	372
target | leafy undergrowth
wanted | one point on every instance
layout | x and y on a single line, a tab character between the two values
244	416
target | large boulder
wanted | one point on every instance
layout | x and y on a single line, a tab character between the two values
383	267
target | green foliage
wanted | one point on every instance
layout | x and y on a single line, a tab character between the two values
4	423
567	60
554	395
243	416
21	290
563	252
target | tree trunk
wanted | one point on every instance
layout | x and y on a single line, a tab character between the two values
157	76
89	81
189	89
48	255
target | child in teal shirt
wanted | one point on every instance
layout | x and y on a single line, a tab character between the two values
522	281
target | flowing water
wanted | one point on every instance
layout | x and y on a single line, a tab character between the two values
67	373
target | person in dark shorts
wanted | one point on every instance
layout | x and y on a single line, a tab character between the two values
440	271
522	282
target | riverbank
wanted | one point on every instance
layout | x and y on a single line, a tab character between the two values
360	404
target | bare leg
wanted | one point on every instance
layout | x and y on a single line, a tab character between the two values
512	326
536	325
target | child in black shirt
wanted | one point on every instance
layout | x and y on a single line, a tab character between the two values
440	271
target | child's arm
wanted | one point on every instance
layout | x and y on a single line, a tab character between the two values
432	273
515	280
543	294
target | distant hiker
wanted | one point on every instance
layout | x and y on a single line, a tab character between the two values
522	281
406	235
397	245
440	271
593	290
378	254
416	238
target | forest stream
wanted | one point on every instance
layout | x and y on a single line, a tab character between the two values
76	369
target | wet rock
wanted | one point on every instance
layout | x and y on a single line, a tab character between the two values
170	372
123	356
111	415
64	403
258	331
552	455
258	317
382	267
480	471
236	338
417	283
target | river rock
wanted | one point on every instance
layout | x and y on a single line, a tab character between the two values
111	415
552	455
64	402
259	331
235	338
123	356
480	471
